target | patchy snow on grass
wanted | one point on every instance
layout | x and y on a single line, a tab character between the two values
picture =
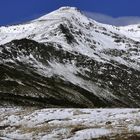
67	124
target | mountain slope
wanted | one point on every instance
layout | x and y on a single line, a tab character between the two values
72	62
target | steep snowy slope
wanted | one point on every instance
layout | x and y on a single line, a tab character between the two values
72	62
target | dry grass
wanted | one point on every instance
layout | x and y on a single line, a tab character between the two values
35	130
78	128
25	112
79	112
120	137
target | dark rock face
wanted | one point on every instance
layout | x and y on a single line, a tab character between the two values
69	60
21	84
27	77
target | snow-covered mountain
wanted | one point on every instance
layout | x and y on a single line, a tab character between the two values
66	59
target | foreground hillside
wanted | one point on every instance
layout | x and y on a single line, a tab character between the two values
69	124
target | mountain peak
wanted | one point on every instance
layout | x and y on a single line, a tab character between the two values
66	8
72	62
64	12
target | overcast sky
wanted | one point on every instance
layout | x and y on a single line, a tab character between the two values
116	12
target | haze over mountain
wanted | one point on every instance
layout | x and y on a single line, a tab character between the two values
116	21
65	59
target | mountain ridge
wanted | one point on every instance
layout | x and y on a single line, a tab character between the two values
66	59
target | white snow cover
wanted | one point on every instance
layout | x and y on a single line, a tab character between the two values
46	29
92	44
67	124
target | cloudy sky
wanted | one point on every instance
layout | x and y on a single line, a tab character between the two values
117	21
116	12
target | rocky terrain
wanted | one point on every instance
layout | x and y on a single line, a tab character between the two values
69	124
65	59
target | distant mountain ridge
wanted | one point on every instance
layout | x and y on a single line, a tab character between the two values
65	59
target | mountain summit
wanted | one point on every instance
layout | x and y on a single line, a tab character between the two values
65	59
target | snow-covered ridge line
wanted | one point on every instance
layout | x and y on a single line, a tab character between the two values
100	62
33	27
46	29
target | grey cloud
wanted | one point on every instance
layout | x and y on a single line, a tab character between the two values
120	21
